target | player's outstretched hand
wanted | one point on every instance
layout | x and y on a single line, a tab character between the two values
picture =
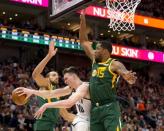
39	113
130	77
52	50
82	14
24	91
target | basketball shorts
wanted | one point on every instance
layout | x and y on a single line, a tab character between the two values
80	124
106	118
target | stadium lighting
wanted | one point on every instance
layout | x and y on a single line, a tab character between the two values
147	37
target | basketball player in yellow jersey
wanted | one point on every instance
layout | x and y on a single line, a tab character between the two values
50	82
105	110
79	96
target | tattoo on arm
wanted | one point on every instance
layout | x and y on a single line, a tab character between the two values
119	68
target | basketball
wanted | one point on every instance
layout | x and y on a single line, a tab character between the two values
19	100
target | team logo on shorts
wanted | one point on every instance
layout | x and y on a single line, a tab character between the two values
94	73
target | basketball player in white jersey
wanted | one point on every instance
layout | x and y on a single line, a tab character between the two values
79	91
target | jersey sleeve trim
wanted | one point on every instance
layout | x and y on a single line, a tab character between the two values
109	68
114	74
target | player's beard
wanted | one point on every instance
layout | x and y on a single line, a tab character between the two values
98	59
54	83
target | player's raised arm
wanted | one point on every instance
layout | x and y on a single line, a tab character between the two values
44	93
85	43
37	76
120	69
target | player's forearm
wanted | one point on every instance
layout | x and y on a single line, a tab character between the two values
84	38
44	93
69	117
66	115
83	30
51	93
59	104
38	70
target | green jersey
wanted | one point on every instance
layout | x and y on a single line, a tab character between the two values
103	83
51	114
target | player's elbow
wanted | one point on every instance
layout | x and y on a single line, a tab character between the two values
34	75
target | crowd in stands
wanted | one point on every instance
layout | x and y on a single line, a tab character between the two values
152	8
15	117
146	104
141	104
32	26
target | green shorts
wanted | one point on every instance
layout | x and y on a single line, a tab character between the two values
43	125
106	117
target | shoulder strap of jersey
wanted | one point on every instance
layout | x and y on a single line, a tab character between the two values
115	76
93	62
109	67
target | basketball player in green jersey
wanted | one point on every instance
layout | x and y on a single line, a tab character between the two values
50	82
105	110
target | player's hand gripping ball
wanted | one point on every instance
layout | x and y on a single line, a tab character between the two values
19	99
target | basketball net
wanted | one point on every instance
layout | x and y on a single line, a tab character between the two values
122	14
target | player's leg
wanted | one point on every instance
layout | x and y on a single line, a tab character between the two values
113	124
112	121
96	118
96	126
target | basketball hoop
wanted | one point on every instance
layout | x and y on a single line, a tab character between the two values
122	14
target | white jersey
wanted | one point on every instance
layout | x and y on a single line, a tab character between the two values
83	108
82	121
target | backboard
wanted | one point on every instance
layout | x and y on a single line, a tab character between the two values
63	8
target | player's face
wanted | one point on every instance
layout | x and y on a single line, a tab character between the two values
98	53
69	79
54	77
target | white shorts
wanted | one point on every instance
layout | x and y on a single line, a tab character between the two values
80	124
